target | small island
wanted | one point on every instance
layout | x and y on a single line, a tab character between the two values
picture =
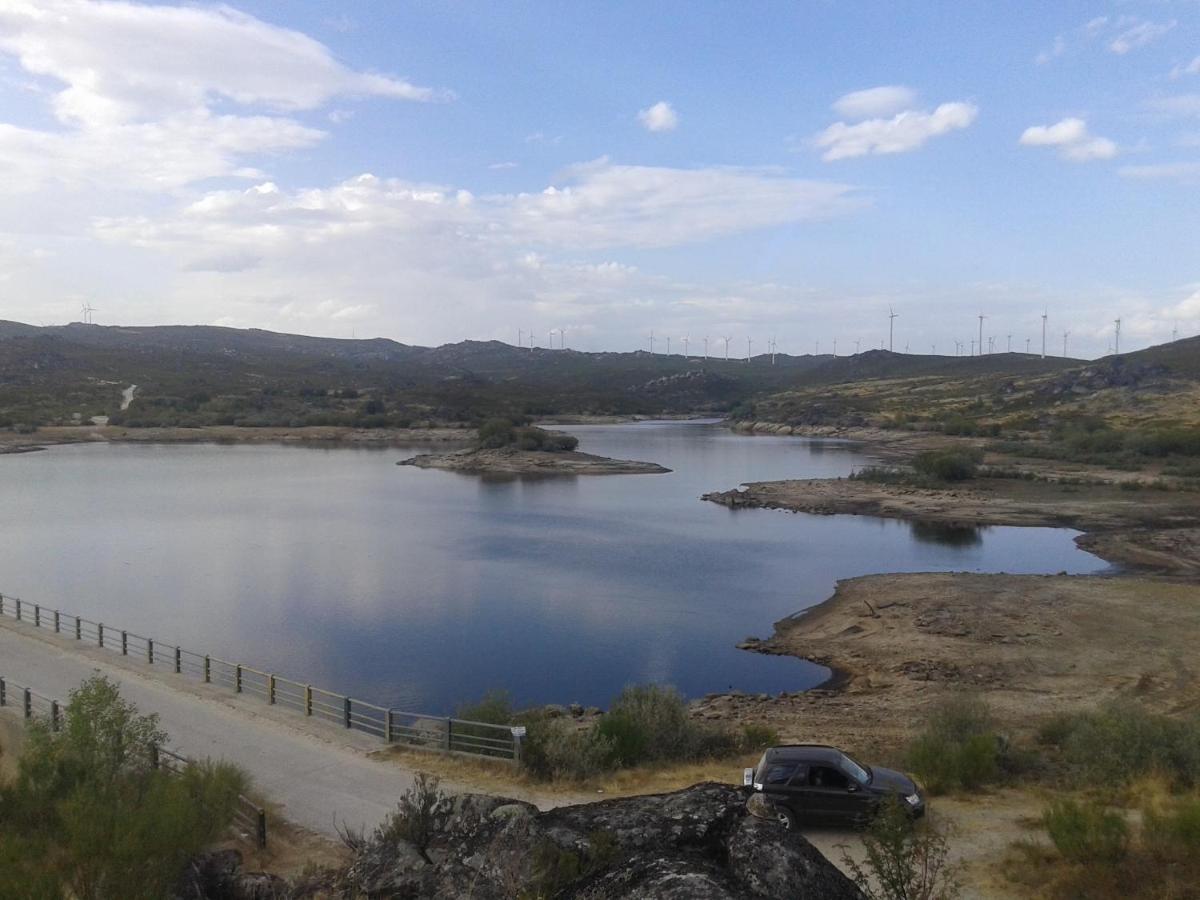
508	447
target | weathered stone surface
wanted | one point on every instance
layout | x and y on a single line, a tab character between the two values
698	843
217	875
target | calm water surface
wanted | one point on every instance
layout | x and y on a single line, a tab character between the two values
422	589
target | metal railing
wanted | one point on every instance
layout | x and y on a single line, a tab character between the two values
247	814
392	726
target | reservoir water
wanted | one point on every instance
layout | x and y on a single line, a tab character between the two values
423	589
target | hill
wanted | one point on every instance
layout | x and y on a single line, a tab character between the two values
205	375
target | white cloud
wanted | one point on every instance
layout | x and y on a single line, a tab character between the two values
500	166
659	117
1057	49
1072	140
1185	172
871	103
903	132
1138	34
160	96
1179	106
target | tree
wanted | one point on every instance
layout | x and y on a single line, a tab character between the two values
902	862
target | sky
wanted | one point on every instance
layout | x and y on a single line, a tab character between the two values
595	172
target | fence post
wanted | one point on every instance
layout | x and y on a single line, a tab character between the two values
261	830
28	704
54	715
124	644
154	762
518	732
100	632
271	689
37	615
449	733
78	629
207	670
308	699
387	726
1	604
3	693
346	710
57	624
238	673
150	650
18	609
178	661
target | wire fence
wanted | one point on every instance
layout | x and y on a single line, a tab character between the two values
247	815
423	731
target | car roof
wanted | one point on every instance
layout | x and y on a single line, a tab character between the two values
797	752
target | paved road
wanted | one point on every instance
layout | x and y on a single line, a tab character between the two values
319	775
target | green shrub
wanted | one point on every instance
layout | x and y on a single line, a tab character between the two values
1122	741
496	433
1086	832
958	748
755	737
958	464
421	814
1177	827
902	862
495	708
558	750
90	804
650	722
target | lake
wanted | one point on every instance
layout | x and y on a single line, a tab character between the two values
421	589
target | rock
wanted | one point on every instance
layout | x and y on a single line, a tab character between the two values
697	843
554	711
217	875
575	709
593	711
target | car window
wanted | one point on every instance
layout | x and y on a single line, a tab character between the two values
854	770
780	773
826	777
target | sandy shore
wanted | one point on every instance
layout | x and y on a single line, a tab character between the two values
524	462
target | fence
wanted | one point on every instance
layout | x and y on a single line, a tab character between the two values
392	726
247	814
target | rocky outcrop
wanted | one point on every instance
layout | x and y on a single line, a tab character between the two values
698	844
218	875
509	460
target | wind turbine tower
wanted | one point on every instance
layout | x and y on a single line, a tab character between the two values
749	343
1117	336
686	339
1066	334
857	341
706	348
651	342
891	323
981	318
727	340
520	337
668	345
1010	343
1045	312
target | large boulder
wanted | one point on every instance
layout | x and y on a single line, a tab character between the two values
697	843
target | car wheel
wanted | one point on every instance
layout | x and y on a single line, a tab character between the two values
786	818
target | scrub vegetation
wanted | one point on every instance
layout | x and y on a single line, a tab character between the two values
91	816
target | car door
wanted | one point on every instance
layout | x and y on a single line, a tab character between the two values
780	784
830	794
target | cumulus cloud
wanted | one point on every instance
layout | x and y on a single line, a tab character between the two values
1138	34
659	117
1072	140
159	96
901	133
873	102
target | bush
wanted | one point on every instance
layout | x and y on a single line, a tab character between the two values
958	464
649	723
495	708
1123	741
103	821
902	862
754	738
421	815
496	433
1086	832
557	750
1175	828
959	748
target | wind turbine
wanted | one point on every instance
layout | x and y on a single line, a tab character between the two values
891	323
520	337
972	346
835	346
933	349
1027	345
857	341
1117	336
727	340
749	342
668	345
1175	332
981	318
1010	343
551	338
817	347
1045	312
1066	334
685	346
530	340
651	341
706	348
774	347
562	339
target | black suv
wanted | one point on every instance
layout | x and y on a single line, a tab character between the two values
802	782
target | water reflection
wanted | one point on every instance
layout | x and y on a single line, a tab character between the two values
948	534
423	588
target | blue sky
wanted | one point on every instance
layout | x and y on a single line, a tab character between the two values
437	171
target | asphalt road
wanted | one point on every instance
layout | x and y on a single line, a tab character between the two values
318	775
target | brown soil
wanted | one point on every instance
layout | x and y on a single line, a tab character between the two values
1032	645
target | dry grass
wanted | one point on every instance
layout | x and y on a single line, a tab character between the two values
503	778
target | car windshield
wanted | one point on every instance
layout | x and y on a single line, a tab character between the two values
859	773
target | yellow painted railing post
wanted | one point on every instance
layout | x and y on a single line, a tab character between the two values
308	699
